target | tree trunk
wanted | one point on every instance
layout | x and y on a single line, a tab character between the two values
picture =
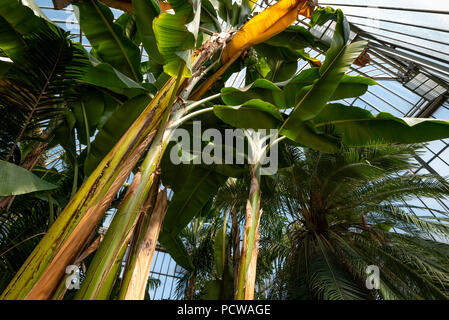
103	269
136	274
248	262
191	287
41	273
235	236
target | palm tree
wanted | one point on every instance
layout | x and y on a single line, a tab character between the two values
351	210
198	238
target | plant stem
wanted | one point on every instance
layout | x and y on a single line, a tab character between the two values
86	125
75	178
192	106
100	278
246	278
101	275
189	116
136	274
51	217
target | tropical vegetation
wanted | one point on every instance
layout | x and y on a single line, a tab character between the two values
86	133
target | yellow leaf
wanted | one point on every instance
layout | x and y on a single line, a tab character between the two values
265	25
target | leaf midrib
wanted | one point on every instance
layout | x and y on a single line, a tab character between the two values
117	40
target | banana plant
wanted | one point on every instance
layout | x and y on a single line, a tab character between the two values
190	57
175	36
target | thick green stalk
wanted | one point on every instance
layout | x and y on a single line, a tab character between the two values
103	269
51	217
101	274
42	272
86	125
45	267
136	273
246	277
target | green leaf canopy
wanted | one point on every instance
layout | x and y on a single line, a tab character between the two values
359	127
16	180
107	38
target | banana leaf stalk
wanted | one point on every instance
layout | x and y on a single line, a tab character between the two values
42	272
44	268
136	274
250	249
62	289
248	257
105	260
99	280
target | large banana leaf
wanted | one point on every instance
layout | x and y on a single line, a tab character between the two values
175	247
104	75
294	37
16	180
176	35
233	13
286	94
87	111
349	87
209	16
253	114
113	129
321	16
358	127
108	39
17	22
259	89
308	137
145	11
262	27
338	59
194	188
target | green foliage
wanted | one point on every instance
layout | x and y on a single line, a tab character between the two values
113	129
324	198
176	35
253	114
41	78
107	38
16	180
233	13
145	12
191	193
